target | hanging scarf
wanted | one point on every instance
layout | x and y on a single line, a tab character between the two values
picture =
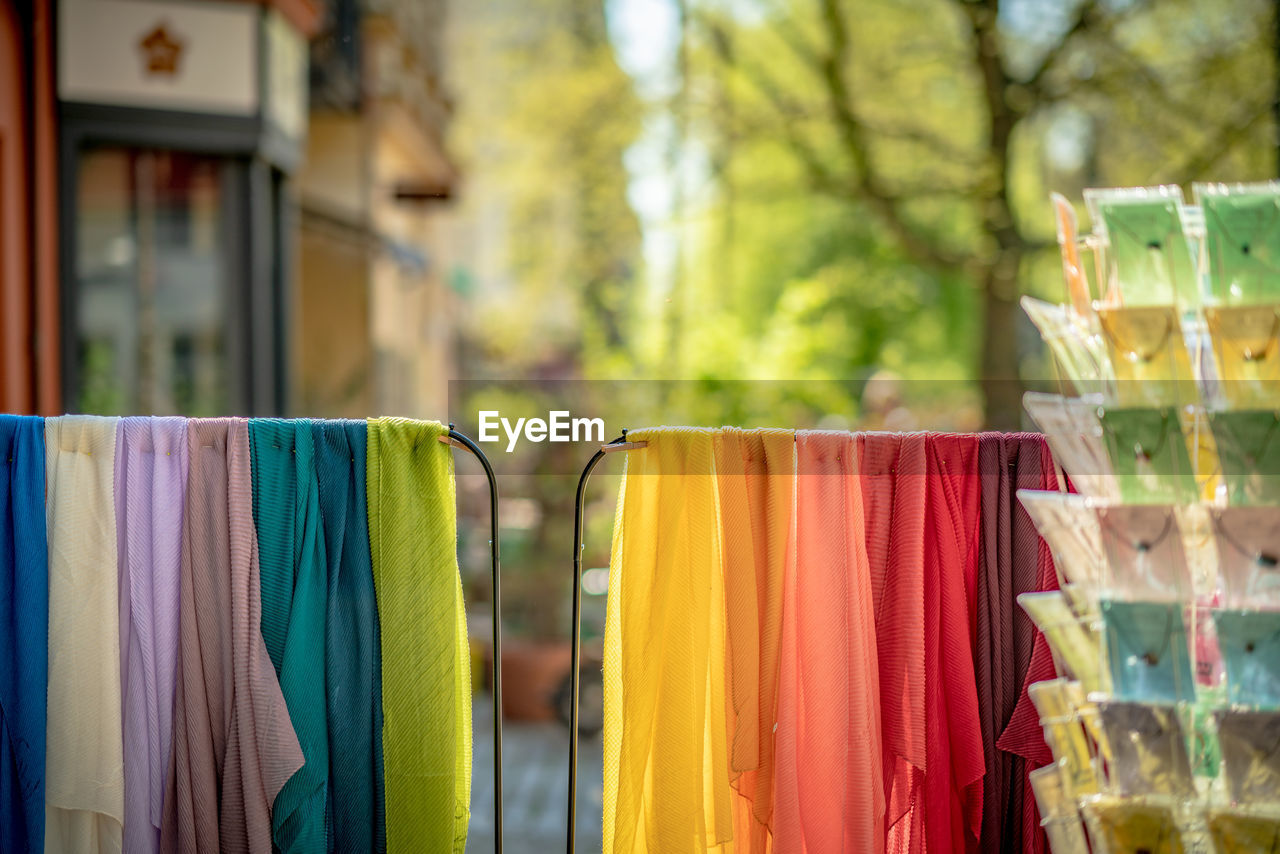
352	655
426	682
151	481
1010	559
830	794
755	481
666	779
24	633
84	749
286	512
233	743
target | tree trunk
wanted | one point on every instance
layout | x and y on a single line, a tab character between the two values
1000	381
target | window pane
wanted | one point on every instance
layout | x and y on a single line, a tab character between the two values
151	274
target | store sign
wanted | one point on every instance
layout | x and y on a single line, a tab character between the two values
197	56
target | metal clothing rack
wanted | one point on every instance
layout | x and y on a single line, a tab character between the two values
619	444
461	440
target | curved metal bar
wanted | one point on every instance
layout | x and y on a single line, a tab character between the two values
578	546
461	440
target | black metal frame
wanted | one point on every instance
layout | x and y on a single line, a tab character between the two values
578	546
461	440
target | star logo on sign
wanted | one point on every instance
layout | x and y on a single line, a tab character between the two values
161	50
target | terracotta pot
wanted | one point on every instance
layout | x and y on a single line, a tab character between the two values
532	672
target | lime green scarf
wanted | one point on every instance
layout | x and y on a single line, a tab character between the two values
426	682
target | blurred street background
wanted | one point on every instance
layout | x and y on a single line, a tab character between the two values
809	213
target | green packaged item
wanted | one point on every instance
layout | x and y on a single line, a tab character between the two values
1242	239
1150	258
1248	454
1147	654
1148	455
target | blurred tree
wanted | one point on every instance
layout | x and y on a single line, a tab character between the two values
880	168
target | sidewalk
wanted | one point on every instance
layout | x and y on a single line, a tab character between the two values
535	785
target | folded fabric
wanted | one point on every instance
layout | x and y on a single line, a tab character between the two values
1250	645
84	784
830	794
352	649
1146	644
24	633
666	772
233	743
426	680
755	482
291	550
150	485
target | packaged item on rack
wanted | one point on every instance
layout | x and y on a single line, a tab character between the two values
1149	456
1071	427
1078	351
1248	546
1236	832
1127	826
1250	644
1065	735
1250	745
1074	649
1145	750
1148	356
1069	524
1242	241
1146	650
1248	454
1068	242
1145	558
1246	352
1149	258
1060	818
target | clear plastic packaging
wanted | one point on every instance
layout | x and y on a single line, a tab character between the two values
1148	454
1146	649
1149	258
1069	525
1242	241
1249	454
1071	427
1145	750
1148	356
1075	650
1078	351
1063	732
1237	832
1060	818
1250	746
1248	548
1246	350
1145	558
1128	826
1250	645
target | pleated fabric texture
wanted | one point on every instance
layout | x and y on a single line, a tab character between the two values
84	783
426	680
234	746
150	489
293	567
755	482
1011	560
830	790
24	633
352	647
666	780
